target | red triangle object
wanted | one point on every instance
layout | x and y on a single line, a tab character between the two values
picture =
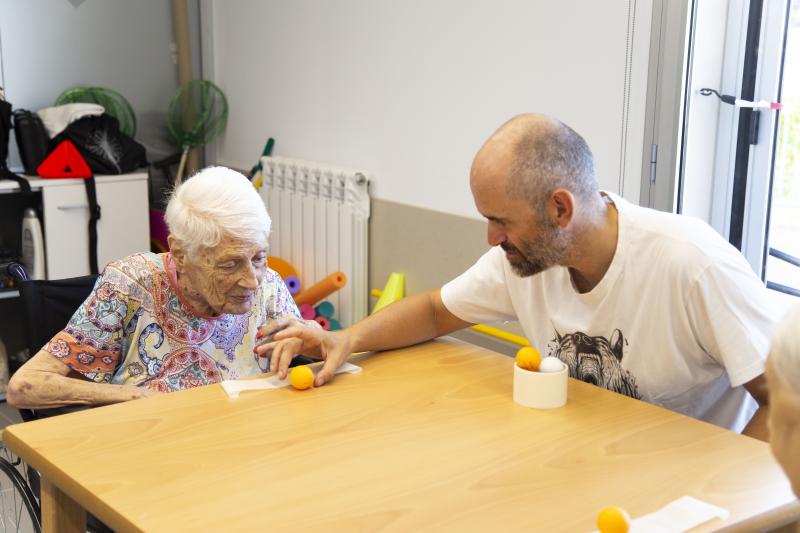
64	162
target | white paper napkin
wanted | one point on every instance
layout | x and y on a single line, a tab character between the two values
234	387
680	515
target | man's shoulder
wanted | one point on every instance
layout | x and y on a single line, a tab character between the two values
685	238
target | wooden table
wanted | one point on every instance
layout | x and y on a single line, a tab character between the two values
426	438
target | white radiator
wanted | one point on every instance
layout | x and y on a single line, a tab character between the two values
319	225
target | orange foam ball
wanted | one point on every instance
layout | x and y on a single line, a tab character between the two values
613	520
528	358
301	377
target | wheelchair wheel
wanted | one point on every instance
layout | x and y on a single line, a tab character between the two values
19	508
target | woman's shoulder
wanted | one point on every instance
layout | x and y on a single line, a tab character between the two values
136	269
140	260
272	285
276	295
272	277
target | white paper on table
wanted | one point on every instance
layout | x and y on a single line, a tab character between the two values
234	387
680	515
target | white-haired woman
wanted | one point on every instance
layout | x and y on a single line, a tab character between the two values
783	377
165	322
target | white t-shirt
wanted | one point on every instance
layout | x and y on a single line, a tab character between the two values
679	319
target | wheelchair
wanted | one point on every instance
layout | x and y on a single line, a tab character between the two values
47	307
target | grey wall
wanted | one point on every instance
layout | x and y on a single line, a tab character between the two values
430	248
48	46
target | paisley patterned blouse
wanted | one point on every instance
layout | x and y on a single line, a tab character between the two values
136	328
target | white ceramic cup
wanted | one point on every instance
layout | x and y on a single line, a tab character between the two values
540	390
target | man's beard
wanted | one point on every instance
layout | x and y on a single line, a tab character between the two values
538	255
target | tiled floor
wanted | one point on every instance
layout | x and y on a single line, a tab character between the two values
8	415
10	506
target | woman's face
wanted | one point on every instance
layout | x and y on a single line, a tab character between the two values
784	425
223	279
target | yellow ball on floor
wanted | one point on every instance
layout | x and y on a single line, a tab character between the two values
528	358
301	377
613	520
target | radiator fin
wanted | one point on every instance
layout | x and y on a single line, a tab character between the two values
320	220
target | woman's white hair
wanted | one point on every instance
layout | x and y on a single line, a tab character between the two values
215	203
785	350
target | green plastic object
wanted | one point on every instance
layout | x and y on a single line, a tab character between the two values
197	114
113	102
267	151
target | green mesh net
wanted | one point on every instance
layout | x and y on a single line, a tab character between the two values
114	104
197	114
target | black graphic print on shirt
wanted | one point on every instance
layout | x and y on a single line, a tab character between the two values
595	360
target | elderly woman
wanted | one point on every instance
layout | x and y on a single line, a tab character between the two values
783	376
166	322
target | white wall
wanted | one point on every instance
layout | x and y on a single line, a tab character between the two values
49	46
408	91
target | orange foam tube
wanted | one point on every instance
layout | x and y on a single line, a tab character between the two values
321	289
283	268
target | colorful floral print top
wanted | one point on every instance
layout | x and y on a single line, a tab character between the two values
136	328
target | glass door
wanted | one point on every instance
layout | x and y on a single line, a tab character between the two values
740	164
783	222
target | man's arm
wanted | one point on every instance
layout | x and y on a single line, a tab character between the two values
409	321
757	427
44	382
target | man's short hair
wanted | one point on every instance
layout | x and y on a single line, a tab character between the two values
552	157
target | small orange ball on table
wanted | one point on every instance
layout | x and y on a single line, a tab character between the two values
613	520
301	377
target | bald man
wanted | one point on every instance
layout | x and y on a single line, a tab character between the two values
649	304
783	375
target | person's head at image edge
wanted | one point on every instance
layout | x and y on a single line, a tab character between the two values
783	376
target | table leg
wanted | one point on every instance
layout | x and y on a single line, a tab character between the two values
60	513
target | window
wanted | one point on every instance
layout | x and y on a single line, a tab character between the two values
740	166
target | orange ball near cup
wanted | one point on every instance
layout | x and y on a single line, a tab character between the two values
528	358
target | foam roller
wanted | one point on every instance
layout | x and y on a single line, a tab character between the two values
322	289
307	312
325	309
324	322
283	268
293	284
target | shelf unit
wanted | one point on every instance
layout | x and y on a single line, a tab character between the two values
123	228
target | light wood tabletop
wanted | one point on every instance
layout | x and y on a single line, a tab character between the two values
426	438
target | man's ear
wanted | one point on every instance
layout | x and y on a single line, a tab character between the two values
562	207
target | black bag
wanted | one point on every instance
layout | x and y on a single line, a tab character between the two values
104	147
32	139
5	135
5	129
107	151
